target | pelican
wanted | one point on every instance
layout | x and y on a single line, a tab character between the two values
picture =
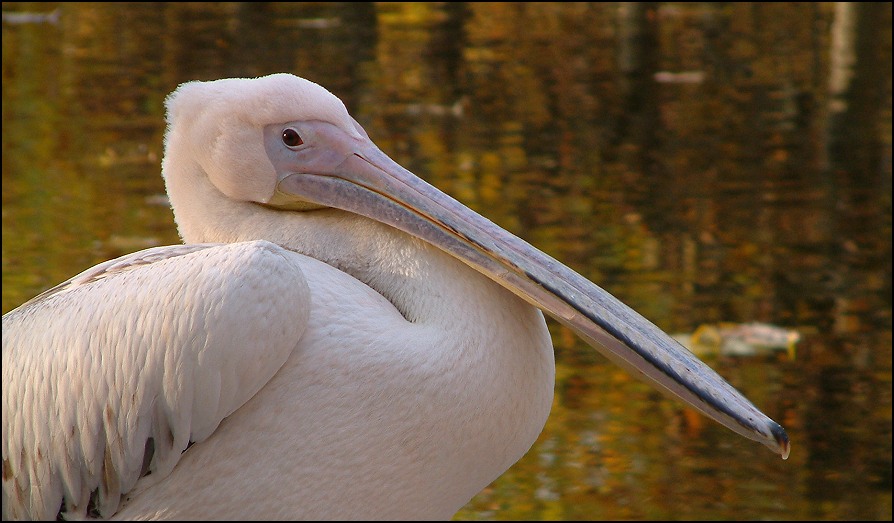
335	339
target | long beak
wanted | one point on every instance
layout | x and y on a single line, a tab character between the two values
371	184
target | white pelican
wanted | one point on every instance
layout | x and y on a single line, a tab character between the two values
338	339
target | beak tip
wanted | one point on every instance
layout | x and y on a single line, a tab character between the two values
782	442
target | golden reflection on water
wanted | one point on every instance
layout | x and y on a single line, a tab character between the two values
695	160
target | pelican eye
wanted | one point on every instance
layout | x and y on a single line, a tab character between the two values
291	138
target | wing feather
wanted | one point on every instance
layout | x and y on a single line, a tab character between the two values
110	375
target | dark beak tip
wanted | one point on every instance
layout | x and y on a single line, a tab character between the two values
784	446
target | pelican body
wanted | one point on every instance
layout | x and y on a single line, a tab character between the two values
336	338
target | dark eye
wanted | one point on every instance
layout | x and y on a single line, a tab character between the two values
291	138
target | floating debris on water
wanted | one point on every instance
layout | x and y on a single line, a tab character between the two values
739	339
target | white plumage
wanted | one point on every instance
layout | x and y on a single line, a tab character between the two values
331	352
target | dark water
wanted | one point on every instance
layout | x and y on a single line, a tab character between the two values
703	162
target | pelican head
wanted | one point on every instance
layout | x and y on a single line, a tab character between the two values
289	145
